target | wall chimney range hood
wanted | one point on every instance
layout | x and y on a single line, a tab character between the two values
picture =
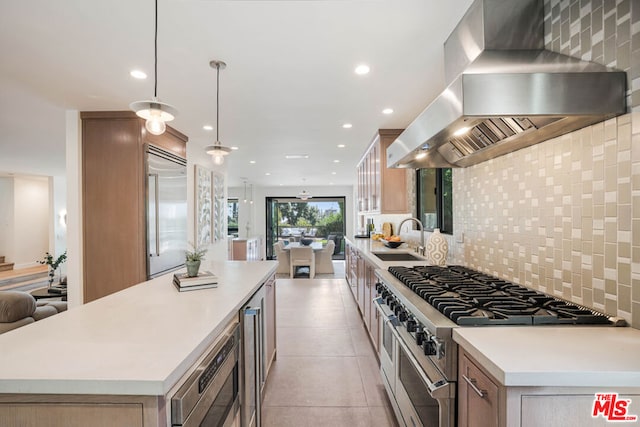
506	92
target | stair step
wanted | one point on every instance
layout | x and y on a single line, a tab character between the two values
6	266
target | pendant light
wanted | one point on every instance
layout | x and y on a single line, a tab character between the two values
304	194
251	193
155	113
217	150
245	193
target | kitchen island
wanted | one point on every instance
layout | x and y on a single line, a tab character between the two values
137	342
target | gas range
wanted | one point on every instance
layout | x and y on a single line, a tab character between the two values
427	302
468	297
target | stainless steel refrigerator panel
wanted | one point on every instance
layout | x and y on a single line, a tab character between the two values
166	212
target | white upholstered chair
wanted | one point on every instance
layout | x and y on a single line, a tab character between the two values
302	256
283	258
323	259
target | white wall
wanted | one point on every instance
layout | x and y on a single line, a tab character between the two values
31	220
6	218
58	216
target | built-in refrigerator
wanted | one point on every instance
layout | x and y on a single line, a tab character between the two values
166	211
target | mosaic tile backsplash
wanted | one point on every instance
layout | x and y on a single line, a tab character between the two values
563	216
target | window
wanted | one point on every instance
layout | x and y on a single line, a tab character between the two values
232	217
435	199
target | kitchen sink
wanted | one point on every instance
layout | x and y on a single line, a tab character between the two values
399	256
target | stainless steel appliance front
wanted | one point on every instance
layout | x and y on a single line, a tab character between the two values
210	396
253	359
419	392
166	211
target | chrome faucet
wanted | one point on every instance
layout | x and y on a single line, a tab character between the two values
419	249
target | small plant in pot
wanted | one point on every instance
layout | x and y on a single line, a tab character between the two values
192	260
53	264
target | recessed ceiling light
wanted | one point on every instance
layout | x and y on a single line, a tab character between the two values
347	125
253	162
421	155
281	184
207	127
341	145
234	148
387	111
362	69
267	173
333	173
137	74
296	156
336	161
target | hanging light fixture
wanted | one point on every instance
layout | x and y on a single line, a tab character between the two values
217	150
245	193
251	193
155	113
304	194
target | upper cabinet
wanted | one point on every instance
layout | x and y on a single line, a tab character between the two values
381	190
114	198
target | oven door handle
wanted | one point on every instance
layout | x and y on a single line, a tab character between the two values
386	313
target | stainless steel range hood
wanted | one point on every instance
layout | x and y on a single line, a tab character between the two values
506	91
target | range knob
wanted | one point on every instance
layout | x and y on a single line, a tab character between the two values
412	325
402	316
420	335
398	309
392	303
429	348
379	287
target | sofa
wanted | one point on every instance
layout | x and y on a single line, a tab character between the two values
19	308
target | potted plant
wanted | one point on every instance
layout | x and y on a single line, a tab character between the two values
192	260
53	265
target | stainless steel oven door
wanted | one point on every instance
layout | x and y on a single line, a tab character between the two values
210	397
388	346
423	394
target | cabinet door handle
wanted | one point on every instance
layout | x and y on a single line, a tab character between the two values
472	383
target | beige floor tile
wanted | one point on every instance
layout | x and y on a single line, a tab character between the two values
315	381
361	342
373	387
382	416
316	417
311	318
315	342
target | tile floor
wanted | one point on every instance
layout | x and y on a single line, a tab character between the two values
326	372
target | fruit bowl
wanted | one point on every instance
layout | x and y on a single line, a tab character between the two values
392	243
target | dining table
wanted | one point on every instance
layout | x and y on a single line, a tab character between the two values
316	246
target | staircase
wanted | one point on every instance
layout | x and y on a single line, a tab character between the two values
5	266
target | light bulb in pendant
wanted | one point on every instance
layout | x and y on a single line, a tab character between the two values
218	160
155	124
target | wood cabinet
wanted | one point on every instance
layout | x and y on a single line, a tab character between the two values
380	189
362	281
270	323
246	249
81	410
113	198
479	397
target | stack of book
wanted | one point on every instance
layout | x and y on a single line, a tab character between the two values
203	280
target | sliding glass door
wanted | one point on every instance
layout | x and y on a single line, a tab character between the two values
320	218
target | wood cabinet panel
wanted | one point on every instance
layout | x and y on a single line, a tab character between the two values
113	199
270	319
381	190
81	410
478	396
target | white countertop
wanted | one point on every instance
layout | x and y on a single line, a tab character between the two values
368	248
570	356
139	341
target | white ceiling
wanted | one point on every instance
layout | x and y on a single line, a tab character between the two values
288	87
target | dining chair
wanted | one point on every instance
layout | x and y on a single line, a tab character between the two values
324	265
282	256
302	256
